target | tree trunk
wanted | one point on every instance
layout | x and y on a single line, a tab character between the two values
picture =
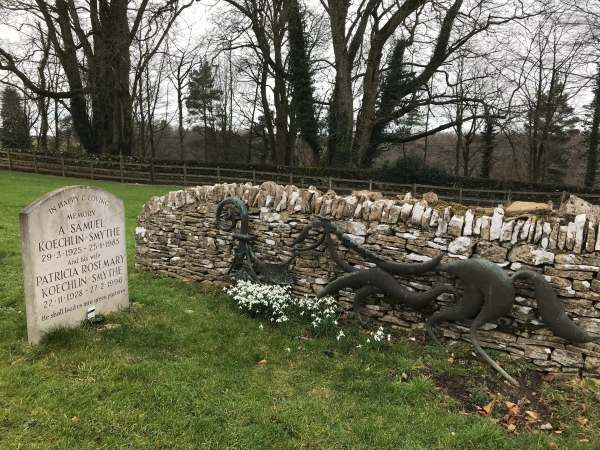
268	117
56	128
488	147
341	111
282	110
43	103
342	120
366	120
180	118
592	152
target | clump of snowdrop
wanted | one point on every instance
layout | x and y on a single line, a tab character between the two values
278	305
261	300
379	335
379	338
322	312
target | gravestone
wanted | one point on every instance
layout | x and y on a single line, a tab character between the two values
74	258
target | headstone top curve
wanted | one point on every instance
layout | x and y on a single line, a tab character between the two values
55	193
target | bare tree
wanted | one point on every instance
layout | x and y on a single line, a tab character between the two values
183	56
92	41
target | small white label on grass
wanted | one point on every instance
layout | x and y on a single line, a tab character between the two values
91	313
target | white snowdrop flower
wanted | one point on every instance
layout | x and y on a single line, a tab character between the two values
340	335
278	305
261	326
288	349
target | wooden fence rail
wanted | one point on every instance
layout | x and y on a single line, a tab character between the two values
190	175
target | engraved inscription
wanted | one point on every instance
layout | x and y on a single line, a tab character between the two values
74	258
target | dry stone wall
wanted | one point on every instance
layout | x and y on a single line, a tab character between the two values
177	236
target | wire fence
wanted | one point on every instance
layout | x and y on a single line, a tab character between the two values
183	174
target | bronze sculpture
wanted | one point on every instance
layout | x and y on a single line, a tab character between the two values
246	265
488	291
232	212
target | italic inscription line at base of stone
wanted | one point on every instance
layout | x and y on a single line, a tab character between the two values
74	258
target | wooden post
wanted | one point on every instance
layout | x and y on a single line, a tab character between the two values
218	174
330	183
253	176
460	194
121	168
92	169
370	185
414	189
62	165
509	196
9	160
152	171
35	166
291	179
185	183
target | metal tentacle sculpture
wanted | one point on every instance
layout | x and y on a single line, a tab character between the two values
246	264
489	294
377	280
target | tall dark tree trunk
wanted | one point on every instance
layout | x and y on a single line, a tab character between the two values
489	136
56	128
341	115
96	63
341	108
592	151
268	116
110	97
43	103
395	77
67	54
180	130
43	107
282	109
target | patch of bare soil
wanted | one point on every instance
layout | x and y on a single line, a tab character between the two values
517	408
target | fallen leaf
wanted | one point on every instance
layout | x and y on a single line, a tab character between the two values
583	421
75	419
546	426
552	445
262	362
532	416
451	358
513	408
511	427
487	409
511	413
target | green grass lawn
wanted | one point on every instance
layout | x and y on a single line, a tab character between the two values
179	370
